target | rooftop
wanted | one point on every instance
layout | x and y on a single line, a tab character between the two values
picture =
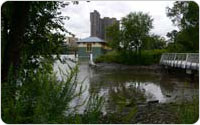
91	39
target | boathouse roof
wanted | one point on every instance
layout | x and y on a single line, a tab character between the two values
91	39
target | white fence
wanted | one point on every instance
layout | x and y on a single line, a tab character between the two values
181	60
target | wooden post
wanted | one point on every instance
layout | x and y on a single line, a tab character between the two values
187	55
75	54
161	60
91	58
173	64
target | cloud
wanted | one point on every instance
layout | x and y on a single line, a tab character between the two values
79	22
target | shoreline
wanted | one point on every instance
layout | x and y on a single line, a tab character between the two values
155	68
117	66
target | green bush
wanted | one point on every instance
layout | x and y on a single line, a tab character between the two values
151	56
147	57
108	57
37	96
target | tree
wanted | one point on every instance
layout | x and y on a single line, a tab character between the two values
172	35
129	39
135	27
30	30
114	34
185	15
153	41
14	23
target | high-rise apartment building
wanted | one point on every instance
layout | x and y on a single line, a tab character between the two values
95	23
98	25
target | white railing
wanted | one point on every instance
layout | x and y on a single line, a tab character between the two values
181	60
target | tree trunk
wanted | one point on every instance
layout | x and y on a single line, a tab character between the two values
140	55
14	44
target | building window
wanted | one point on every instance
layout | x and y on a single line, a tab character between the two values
89	47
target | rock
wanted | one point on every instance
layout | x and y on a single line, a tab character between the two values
153	102
168	95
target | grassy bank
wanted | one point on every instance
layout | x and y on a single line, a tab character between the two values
188	112
37	97
147	57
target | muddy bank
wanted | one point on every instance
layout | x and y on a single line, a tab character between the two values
156	68
116	66
157	114
160	113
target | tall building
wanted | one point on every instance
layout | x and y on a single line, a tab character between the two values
95	23
99	26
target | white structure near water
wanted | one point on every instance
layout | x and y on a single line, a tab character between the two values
188	61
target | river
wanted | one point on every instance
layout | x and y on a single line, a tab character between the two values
117	84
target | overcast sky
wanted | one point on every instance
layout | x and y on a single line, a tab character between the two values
79	22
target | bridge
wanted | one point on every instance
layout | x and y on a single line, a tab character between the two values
188	61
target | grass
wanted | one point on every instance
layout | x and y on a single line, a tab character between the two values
188	112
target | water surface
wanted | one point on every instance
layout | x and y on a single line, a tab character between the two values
128	83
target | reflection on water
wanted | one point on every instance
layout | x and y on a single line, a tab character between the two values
154	86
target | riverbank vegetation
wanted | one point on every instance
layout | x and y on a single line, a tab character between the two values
147	57
37	96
